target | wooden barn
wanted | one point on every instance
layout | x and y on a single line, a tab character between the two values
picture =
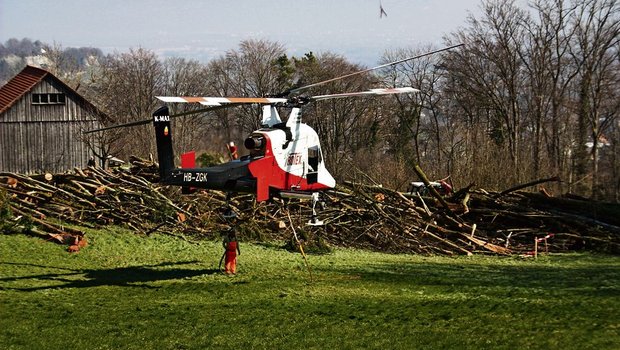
41	124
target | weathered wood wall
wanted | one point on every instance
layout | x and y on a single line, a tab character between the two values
36	138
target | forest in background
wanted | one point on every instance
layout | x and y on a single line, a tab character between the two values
532	93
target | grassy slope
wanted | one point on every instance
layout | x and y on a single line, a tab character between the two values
124	291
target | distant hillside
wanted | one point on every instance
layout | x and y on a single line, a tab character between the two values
15	54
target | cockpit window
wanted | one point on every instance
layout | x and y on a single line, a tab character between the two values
314	158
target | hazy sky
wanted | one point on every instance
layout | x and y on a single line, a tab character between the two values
206	29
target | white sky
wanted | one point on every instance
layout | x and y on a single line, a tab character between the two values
206	29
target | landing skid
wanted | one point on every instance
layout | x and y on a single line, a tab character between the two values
314	221
314	196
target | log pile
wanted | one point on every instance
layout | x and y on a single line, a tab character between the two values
90	198
355	215
378	218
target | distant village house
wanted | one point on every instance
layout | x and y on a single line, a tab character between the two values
41	123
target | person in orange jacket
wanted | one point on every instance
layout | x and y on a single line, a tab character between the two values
232	248
232	151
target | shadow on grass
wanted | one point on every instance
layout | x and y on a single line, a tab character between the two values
598	279
131	276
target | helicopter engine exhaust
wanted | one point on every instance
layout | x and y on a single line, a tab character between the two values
254	142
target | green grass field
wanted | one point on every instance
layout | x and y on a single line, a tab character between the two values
160	292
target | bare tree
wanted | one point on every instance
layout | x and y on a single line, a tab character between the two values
597	31
489	69
416	132
62	66
252	71
187	78
550	74
127	86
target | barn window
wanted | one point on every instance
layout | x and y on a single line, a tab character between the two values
48	99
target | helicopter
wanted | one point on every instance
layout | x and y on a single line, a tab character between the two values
285	159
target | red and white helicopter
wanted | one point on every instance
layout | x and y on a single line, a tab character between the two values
285	158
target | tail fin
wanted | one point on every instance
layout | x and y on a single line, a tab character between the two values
163	137
188	161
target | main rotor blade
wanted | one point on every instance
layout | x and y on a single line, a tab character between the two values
136	123
219	101
299	89
146	121
386	91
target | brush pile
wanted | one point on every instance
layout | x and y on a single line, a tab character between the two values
355	215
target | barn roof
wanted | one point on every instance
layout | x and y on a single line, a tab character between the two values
19	85
24	81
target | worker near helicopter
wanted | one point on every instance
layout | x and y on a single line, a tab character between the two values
231	246
232	150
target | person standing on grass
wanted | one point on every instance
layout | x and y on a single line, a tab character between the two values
232	248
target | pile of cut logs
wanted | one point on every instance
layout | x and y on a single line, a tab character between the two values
355	215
